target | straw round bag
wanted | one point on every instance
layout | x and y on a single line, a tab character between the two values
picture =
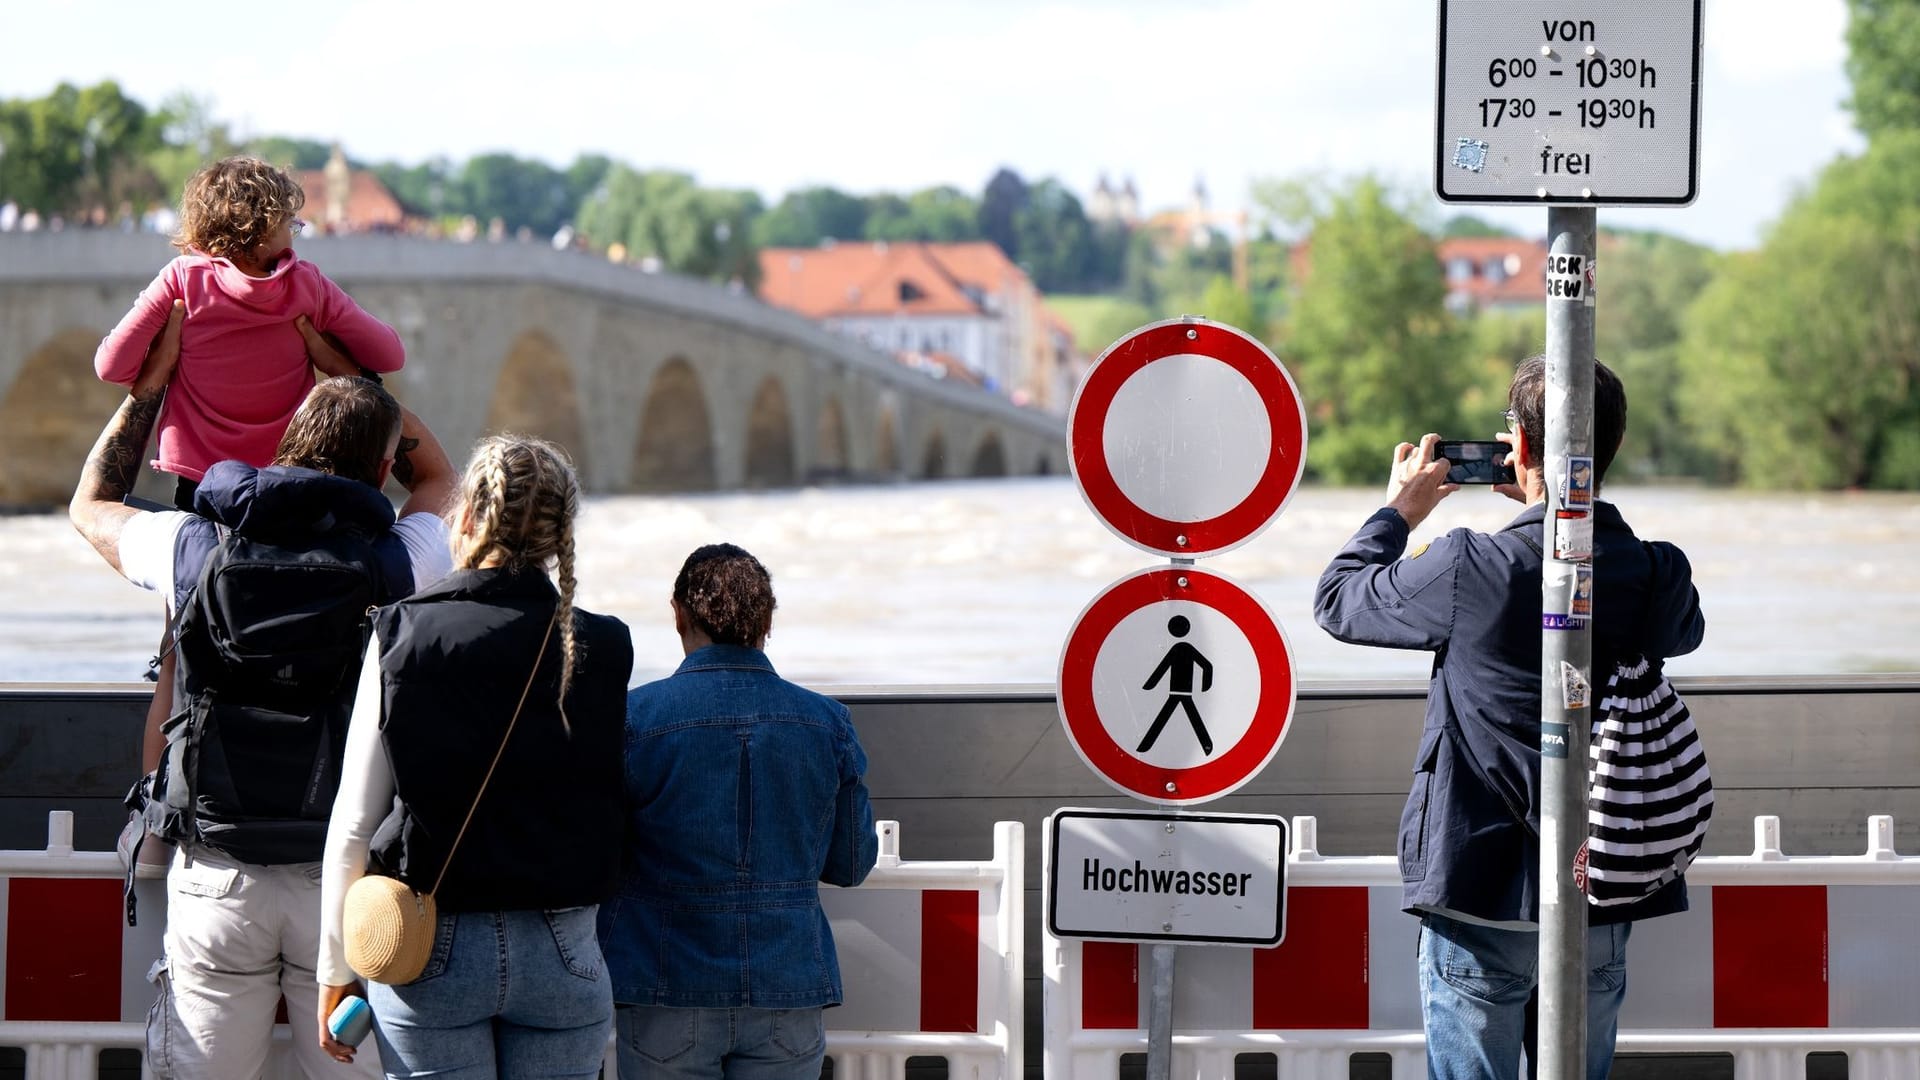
389	926
389	929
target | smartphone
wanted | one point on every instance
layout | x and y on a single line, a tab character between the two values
351	1020
1476	461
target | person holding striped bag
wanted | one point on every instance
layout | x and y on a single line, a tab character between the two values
1469	836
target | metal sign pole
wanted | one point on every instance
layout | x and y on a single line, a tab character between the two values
1566	652
1160	966
1160	1015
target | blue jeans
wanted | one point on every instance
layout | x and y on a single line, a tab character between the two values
1475	982
720	1044
504	994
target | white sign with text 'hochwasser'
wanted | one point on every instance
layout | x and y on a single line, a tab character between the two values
1555	103
1200	879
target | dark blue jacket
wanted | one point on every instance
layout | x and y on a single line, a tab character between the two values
1469	836
284	503
744	792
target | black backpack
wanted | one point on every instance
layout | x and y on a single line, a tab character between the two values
269	646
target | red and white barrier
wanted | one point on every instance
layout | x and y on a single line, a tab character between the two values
931	958
930	955
1801	954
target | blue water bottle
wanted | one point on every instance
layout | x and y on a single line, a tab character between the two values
351	1020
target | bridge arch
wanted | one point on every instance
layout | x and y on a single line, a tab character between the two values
49	419
770	437
933	459
886	444
675	449
990	457
830	442
536	394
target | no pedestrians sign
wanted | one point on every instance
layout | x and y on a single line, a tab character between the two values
1176	685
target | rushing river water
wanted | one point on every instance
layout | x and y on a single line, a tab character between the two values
972	582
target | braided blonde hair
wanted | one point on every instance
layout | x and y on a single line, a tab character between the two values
522	495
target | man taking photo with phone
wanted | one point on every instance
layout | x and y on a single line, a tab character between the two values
1469	845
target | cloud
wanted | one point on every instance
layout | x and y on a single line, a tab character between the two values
870	95
1759	40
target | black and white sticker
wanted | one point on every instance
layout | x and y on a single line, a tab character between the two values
1566	277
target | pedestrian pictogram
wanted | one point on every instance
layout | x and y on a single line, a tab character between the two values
1187	437
1167	641
1178	667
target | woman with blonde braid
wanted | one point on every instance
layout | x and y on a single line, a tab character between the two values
490	678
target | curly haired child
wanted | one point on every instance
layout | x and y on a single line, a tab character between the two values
244	367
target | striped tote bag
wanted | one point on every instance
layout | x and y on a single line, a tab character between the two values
1649	795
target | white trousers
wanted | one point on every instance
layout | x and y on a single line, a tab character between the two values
239	938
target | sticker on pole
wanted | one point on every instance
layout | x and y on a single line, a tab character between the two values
1176	685
1187	438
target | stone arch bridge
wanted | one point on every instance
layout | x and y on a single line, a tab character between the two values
655	383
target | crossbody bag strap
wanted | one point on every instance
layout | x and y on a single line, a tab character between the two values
497	754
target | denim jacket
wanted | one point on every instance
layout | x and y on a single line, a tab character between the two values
744	792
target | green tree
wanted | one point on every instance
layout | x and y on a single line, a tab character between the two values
75	149
189	138
1469	225
1000	204
942	214
519	191
1368	334
1226	302
1644	285
665	215
1805	355
1883	60
584	176
1053	238
808	215
429	189
290	152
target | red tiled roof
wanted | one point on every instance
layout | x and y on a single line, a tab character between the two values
1521	266
369	204
858	278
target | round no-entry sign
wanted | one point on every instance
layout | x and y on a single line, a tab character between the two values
1187	437
1176	685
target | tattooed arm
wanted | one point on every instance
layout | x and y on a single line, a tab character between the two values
114	463
421	465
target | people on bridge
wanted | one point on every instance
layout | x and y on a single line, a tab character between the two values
1469	835
483	767
744	792
269	588
244	368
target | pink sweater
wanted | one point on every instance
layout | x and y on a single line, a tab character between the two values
243	367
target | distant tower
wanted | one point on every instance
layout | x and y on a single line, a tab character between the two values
1101	209
1198	215
1129	204
339	189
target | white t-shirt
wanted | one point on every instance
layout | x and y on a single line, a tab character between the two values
147	542
366	789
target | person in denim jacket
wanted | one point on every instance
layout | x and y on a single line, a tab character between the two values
744	792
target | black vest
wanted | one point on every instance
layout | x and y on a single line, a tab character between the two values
268	654
454	659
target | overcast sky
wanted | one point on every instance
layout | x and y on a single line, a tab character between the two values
898	94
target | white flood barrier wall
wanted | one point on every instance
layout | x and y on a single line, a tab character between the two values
1779	957
930	956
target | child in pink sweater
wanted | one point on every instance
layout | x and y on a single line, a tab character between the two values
243	363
